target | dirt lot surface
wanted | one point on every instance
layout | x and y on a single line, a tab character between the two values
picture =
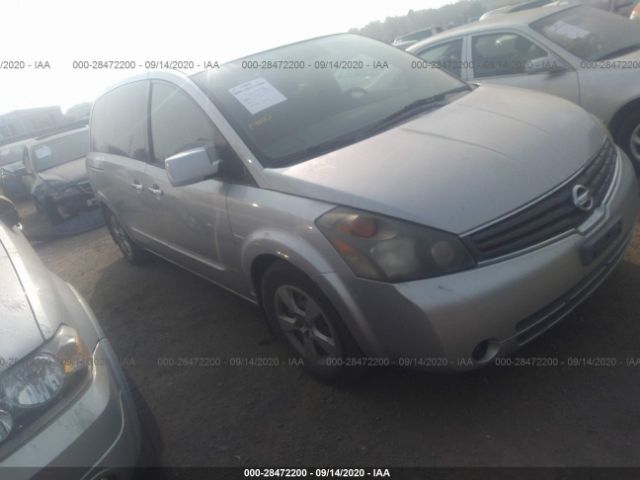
232	416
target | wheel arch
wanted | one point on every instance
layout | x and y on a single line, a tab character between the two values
617	120
264	248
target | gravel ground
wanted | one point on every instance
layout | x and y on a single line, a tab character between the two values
232	416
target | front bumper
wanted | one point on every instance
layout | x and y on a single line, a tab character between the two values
440	322
74	201
98	432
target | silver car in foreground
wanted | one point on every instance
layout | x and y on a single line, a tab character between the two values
581	54
379	215
64	401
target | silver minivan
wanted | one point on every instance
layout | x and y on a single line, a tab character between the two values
380	214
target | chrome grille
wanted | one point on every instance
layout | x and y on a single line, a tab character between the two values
550	216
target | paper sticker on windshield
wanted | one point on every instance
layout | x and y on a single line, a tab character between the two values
567	30
43	151
257	95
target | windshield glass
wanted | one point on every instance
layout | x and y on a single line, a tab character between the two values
589	33
291	102
54	152
11	154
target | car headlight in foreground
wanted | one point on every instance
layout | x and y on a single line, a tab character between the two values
377	247
44	378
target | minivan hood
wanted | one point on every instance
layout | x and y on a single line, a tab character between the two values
457	167
68	173
19	332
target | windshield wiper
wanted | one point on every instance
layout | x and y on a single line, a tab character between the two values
414	108
407	111
619	52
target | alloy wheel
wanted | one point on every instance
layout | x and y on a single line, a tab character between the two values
305	325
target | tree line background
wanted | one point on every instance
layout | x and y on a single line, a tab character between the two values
447	16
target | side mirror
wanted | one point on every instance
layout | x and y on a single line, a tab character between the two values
548	64
191	166
8	213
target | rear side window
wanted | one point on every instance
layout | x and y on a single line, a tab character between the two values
179	124
119	122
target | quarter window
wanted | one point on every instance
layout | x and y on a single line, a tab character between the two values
447	55
502	54
119	122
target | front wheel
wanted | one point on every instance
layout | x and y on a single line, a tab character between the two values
628	138
134	254
301	314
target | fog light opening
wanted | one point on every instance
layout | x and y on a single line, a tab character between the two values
485	351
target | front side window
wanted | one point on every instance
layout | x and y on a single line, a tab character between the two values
55	152
502	54
302	100
447	55
178	124
119	122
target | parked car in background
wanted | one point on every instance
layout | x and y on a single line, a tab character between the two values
64	401
579	53
618	7
518	7
12	170
57	174
412	217
405	41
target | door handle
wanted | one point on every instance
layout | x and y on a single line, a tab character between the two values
157	191
137	186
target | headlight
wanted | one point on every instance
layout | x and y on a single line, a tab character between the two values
383	248
42	379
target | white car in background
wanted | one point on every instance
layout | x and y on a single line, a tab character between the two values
64	400
582	54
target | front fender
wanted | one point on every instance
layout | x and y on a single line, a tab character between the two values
286	245
316	258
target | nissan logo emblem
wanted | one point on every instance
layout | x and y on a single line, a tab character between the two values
582	198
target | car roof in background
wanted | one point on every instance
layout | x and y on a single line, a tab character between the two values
421	30
30	137
58	134
516	19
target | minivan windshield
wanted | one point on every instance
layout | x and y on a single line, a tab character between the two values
590	34
299	101
54	152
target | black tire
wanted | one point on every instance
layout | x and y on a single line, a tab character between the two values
328	366
133	253
37	204
629	129
50	209
152	444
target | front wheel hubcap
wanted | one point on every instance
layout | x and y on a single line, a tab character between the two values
305	325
